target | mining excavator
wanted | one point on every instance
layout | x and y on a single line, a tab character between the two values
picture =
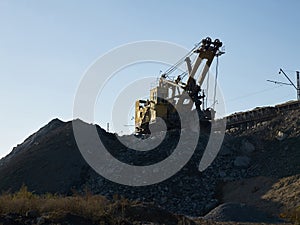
184	92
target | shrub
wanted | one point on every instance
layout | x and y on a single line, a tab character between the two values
86	205
292	215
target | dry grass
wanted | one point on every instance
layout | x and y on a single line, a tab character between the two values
87	205
292	215
92	207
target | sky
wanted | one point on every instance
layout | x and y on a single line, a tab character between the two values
47	46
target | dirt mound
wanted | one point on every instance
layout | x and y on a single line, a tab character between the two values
266	194
272	183
47	161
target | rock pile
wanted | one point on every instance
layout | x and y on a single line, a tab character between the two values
49	161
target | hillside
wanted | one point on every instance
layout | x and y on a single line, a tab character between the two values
273	181
258	167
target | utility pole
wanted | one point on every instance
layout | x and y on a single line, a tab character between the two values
107	129
291	82
298	86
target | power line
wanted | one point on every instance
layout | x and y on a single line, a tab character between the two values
254	93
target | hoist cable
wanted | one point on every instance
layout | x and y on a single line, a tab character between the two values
207	87
216	82
174	67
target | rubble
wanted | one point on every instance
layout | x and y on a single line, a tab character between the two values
56	165
242	161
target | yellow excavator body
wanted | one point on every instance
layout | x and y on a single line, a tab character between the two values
167	96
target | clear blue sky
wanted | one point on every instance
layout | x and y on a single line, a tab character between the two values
46	46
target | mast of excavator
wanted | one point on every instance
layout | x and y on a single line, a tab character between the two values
208	50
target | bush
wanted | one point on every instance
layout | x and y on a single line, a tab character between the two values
86	205
292	215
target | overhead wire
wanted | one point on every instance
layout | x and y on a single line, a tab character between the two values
254	93
176	65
